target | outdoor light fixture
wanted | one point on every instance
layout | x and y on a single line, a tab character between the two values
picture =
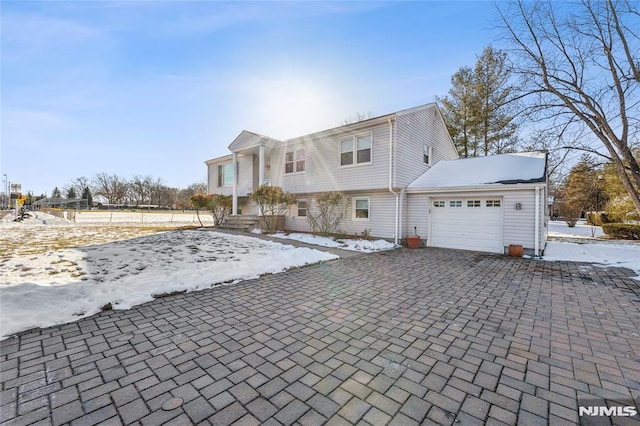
518	206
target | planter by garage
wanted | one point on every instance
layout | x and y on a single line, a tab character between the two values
413	241
516	250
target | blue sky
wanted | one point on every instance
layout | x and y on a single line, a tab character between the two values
158	87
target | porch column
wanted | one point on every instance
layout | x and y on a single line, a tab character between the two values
261	166
234	167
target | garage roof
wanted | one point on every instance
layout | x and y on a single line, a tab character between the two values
525	167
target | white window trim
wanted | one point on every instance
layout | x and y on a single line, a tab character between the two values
295	165
427	150
353	214
297	208
354	139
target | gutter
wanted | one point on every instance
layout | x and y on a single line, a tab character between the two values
397	216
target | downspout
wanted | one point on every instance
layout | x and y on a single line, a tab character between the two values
536	244
397	218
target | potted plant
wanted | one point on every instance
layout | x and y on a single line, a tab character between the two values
516	250
413	241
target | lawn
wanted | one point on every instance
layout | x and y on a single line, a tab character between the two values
58	272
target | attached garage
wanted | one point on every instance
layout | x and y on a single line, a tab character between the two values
482	204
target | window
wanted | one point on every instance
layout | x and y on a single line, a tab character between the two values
346	152
455	203
493	203
426	152
361	209
438	204
302	208
288	162
355	150
225	174
297	165
364	149
300	161
474	203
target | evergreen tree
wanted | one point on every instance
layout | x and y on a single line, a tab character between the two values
478	109
56	193
584	190
71	193
86	195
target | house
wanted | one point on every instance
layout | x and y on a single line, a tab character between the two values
382	165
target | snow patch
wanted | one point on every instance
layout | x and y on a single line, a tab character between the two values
365	246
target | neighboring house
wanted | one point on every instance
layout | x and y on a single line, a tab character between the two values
373	162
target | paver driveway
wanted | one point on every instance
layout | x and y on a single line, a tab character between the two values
407	336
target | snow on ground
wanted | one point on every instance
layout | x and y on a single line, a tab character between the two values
366	246
581	230
57	274
589	249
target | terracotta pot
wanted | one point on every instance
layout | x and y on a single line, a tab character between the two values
516	250
413	241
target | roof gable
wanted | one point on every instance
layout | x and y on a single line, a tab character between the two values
248	139
526	167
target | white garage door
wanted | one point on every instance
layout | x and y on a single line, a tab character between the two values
467	223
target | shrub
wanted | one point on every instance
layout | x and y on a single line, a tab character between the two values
220	206
625	231
272	202
596	218
331	211
570	212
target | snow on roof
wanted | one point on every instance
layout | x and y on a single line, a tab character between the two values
525	167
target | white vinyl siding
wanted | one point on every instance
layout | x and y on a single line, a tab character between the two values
323	171
420	132
381	216
519	224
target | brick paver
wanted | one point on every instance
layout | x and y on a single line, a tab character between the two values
401	337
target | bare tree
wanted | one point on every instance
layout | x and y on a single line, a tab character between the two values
359	116
183	200
138	189
580	69
78	185
112	187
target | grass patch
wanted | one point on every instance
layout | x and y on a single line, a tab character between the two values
168	294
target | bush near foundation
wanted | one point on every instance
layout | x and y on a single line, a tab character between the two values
624	231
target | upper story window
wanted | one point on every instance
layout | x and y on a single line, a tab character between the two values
355	150
426	154
295	161
225	174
